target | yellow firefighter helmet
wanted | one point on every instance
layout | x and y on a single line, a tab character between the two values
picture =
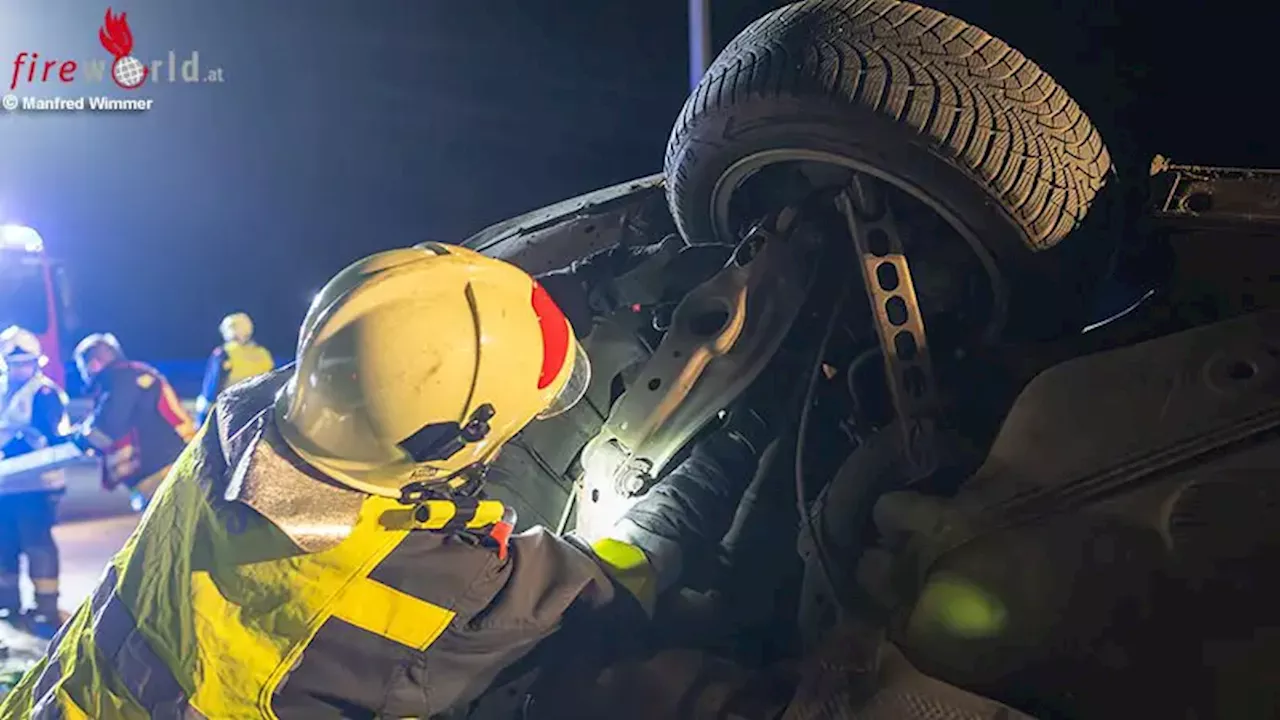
415	366
236	327
21	345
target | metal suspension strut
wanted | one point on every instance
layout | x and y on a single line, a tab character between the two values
898	320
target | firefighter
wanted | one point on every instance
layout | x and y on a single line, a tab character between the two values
237	358
324	547
137	424
33	415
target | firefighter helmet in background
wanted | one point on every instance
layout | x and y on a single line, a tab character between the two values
416	365
86	347
236	327
21	345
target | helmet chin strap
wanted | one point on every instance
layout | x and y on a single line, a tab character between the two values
441	442
463	483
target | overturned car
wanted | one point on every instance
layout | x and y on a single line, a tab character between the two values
1035	439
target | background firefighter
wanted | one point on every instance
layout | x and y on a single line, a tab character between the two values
33	415
237	358
138	424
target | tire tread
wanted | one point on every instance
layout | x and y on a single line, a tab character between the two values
976	101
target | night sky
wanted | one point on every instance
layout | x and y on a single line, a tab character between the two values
345	127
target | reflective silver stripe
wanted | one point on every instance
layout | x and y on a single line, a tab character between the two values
126	650
49	677
47	709
46	706
52	672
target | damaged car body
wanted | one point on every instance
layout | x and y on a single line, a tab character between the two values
1060	504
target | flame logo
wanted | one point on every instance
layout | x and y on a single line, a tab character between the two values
128	72
115	35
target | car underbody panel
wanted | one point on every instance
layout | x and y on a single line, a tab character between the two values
1127	499
1098	563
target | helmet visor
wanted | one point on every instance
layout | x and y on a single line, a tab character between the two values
574	388
18	356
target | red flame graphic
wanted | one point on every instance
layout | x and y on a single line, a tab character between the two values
115	35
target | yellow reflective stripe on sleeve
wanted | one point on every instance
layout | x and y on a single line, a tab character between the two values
629	566
389	613
488	512
186	427
439	513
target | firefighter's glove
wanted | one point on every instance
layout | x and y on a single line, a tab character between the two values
912	527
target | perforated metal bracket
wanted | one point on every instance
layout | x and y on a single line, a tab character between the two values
898	320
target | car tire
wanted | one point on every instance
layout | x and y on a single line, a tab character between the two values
925	101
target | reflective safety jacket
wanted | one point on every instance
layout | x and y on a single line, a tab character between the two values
37	410
243	361
255	588
228	364
33	417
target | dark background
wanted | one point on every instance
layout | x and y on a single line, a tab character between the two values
346	127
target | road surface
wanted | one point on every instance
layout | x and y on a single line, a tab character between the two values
86	546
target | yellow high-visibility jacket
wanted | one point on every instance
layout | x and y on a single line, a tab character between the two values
255	589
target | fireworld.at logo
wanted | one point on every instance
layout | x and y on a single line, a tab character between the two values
126	70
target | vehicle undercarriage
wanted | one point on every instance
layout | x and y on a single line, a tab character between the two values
1030	447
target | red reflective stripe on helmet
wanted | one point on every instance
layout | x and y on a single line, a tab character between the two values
555	335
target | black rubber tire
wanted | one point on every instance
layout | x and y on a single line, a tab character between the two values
930	102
